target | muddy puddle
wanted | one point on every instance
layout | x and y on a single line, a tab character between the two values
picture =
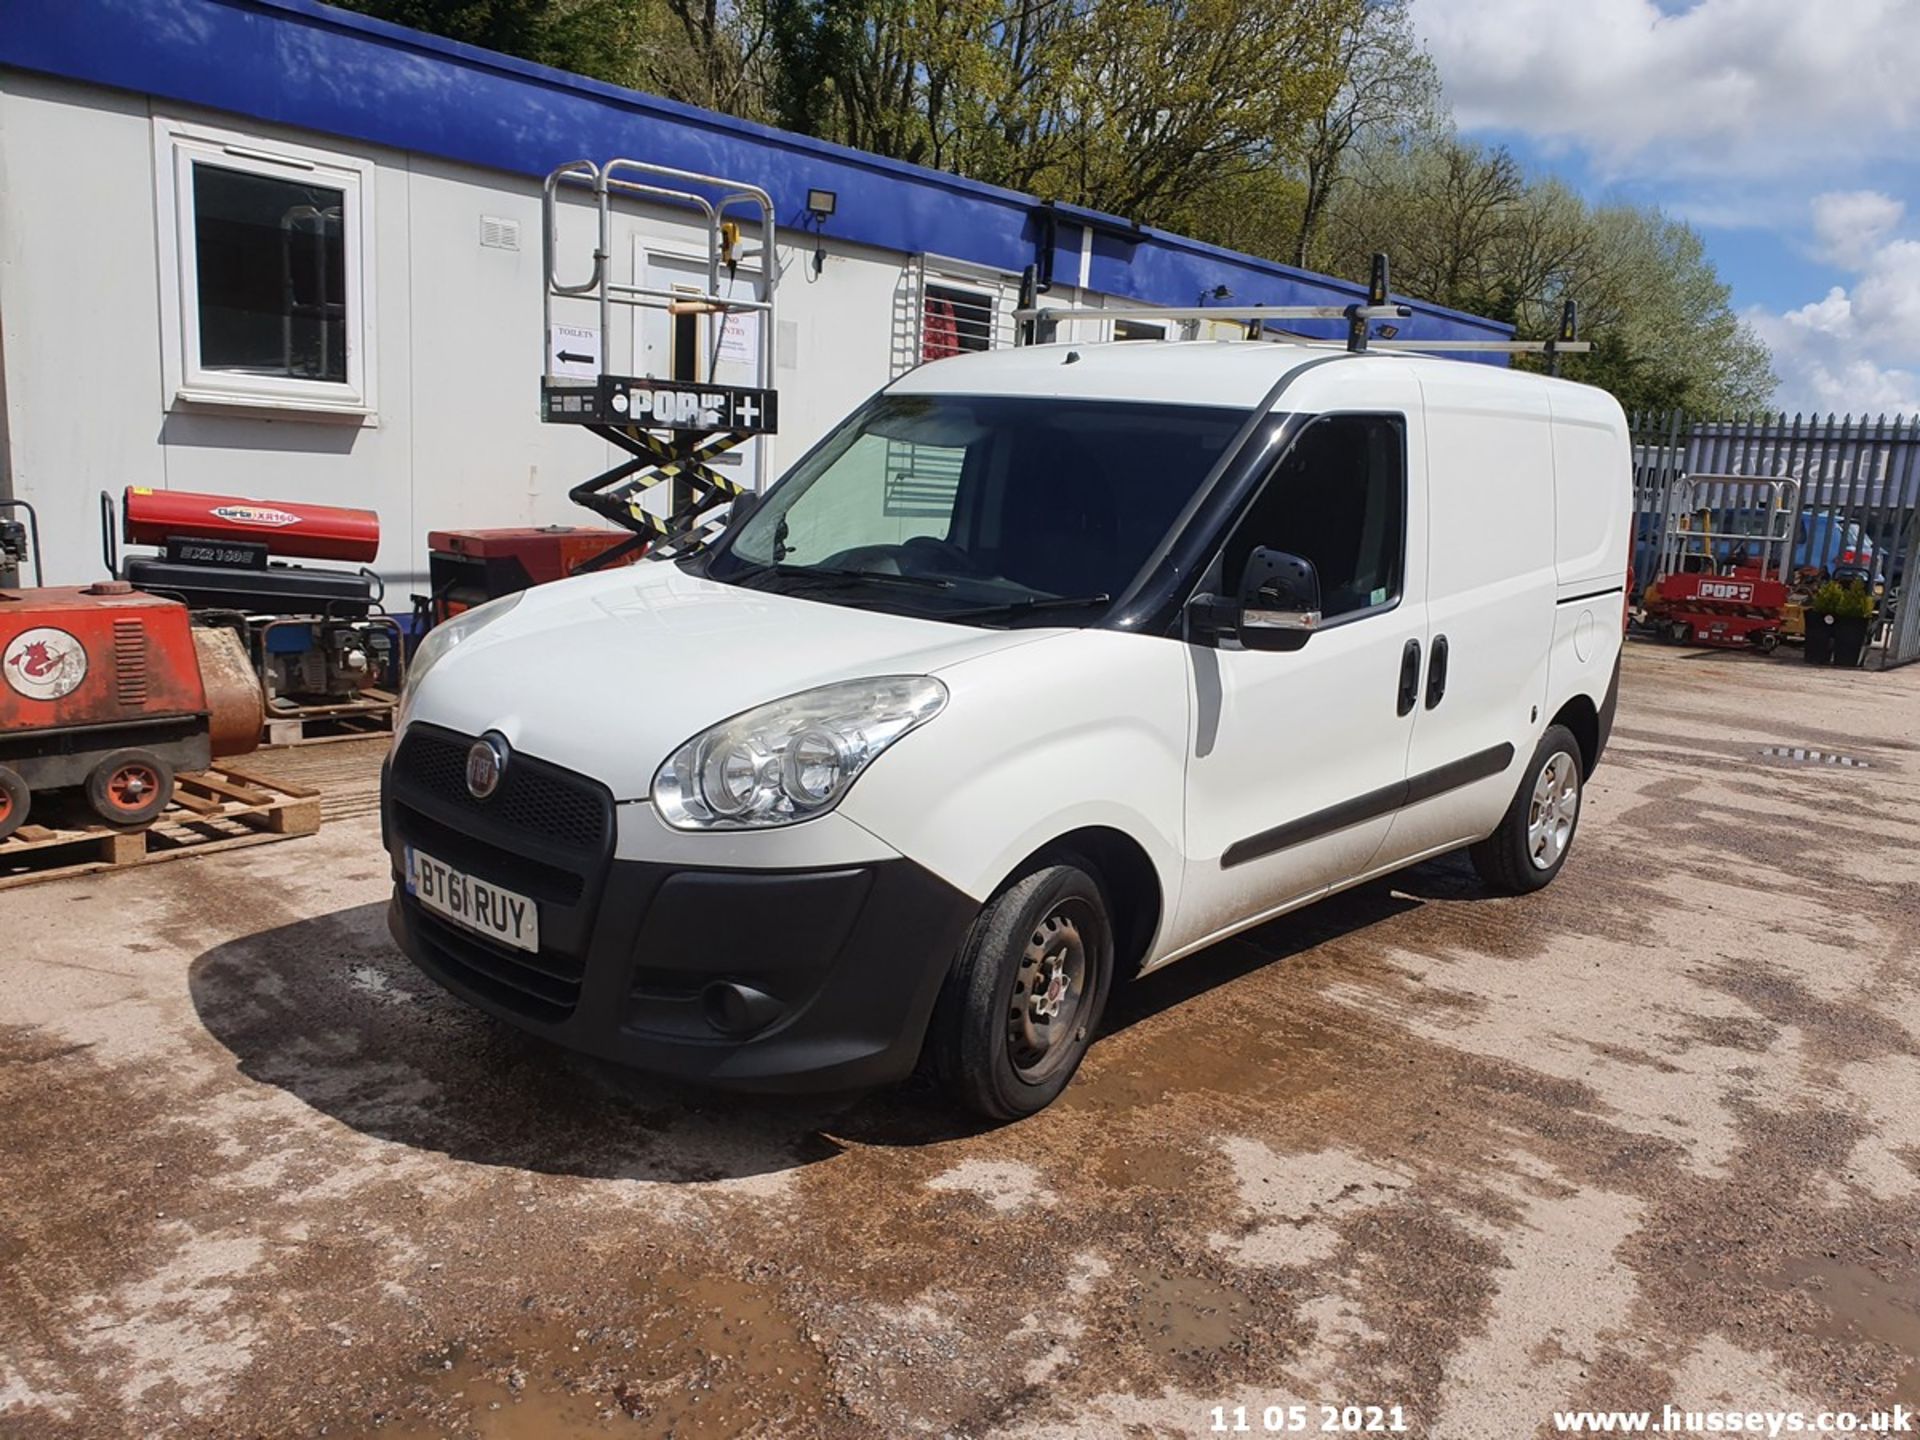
1859	1304
695	1356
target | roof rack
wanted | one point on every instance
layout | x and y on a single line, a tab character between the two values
1041	321
672	427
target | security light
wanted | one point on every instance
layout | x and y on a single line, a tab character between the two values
821	203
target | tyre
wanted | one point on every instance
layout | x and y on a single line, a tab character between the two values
1534	836
130	787
1025	994
15	801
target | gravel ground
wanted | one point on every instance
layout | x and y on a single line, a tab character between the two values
1650	1137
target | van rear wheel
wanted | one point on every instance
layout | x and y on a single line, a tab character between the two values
1025	994
1537	831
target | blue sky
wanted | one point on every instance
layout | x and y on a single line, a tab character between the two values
1786	131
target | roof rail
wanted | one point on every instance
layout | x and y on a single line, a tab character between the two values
1041	322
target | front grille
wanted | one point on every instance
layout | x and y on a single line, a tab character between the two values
545	986
463	851
546	833
534	799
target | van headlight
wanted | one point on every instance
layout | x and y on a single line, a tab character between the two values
442	638
792	759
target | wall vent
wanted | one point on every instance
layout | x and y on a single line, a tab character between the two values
498	234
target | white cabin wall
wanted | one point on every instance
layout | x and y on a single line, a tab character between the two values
79	301
456	335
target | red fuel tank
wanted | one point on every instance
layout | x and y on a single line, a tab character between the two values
306	532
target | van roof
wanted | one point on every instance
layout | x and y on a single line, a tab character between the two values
1236	373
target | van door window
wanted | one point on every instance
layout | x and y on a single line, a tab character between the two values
1338	498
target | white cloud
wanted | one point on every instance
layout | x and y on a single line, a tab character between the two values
1849	225
1854	350
1723	87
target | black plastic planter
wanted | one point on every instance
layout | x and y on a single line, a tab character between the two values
1849	640
1819	638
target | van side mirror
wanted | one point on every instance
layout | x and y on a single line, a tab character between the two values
1276	605
1278	601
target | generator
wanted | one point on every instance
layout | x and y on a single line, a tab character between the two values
107	691
317	638
466	568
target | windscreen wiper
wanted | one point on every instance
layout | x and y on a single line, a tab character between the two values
1028	606
879	577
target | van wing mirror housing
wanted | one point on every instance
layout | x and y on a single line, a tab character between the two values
1275	607
1279	601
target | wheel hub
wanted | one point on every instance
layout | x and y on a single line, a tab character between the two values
1048	992
1553	809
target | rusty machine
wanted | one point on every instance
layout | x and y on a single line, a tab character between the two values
107	691
315	638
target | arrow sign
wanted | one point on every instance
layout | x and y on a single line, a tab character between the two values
573	352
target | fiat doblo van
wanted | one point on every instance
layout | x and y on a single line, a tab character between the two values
1047	667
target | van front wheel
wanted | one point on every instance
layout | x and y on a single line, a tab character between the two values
1537	831
1026	991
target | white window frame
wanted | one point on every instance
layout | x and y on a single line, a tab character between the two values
178	145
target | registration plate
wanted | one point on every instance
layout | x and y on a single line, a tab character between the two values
488	909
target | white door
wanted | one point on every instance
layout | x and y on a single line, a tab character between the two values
702	349
1298	758
1490	604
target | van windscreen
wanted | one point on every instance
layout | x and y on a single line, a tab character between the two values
979	507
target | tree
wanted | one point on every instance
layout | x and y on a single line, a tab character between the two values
1152	109
1305	130
699	51
1467	228
590	37
1388	92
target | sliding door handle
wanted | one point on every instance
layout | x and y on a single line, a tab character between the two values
1437	672
1409	677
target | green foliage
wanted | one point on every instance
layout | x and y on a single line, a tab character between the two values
1310	131
1467	227
1850	601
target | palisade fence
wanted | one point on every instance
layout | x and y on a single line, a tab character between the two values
1853	486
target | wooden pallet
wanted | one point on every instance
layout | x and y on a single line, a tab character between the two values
219	809
323	724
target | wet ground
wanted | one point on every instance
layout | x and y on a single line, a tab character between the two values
1650	1137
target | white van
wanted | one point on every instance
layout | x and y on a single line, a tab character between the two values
1048	666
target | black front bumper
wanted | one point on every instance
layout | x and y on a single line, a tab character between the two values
818	979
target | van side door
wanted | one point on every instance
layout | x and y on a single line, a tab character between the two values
1297	758
1491	545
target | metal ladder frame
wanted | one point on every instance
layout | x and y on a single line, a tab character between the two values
687	423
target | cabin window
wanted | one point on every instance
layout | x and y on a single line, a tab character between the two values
266	273
1338	497
955	321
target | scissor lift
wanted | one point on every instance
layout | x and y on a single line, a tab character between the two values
672	429
1725	586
